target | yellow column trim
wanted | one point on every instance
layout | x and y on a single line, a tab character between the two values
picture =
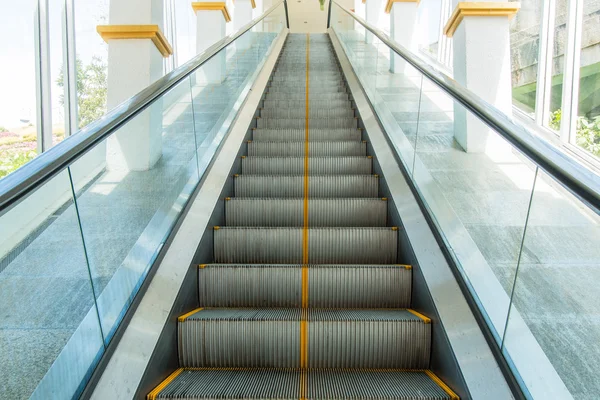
479	9
390	4
152	32
212	6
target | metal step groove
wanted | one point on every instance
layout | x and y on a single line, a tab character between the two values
299	135
363	186
280	285
337	338
339	245
290	212
315	149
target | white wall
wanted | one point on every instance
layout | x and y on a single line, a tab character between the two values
307	17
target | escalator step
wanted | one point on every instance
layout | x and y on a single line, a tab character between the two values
280	285
299	135
292	384
302	96
270	338
301	104
315	149
316	165
318	186
325	245
300	123
331	112
321	212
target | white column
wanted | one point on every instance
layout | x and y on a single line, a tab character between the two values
134	64
210	28
242	14
359	8
482	65
373	12
257	12
403	27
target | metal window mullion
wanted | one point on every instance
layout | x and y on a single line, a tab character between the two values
570	93
545	61
42	77
69	69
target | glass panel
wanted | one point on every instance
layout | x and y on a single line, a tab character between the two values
130	190
558	63
524	51
477	187
587	134
49	329
18	130
92	59
555	315
133	186
430	24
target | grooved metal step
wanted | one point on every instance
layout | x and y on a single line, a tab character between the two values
324	246
316	149
321	212
302	96
299	135
280	285
286	113
300	104
287	384
301	122
318	186
316	165
270	338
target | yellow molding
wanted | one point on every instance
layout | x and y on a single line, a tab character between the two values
442	385
425	319
479	9
390	4
182	318
152	32
212	6
152	395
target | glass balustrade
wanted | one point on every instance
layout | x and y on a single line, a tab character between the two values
75	251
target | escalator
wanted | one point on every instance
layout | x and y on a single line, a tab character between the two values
307	297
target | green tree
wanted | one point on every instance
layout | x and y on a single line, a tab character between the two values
91	89
587	131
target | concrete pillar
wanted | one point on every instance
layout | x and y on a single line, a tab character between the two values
403	28
211	18
373	12
242	14
136	47
481	39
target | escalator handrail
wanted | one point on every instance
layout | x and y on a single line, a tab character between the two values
570	173
32	175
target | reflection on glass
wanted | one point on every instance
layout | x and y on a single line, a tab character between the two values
587	134
524	51
56	28
18	123
558	64
46	294
91	60
554	319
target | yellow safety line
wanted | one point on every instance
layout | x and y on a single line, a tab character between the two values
182	318
425	319
442	385
152	395
303	319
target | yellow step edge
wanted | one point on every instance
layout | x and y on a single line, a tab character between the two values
394	228
442	385
202	266
425	319
384	198
182	318
152	395
405	266
216	228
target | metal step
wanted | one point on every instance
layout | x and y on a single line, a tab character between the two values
301	104
302	96
330	112
294	384
301	122
315	149
280	285
270	338
299	135
340	245
275	186
321	212
316	165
